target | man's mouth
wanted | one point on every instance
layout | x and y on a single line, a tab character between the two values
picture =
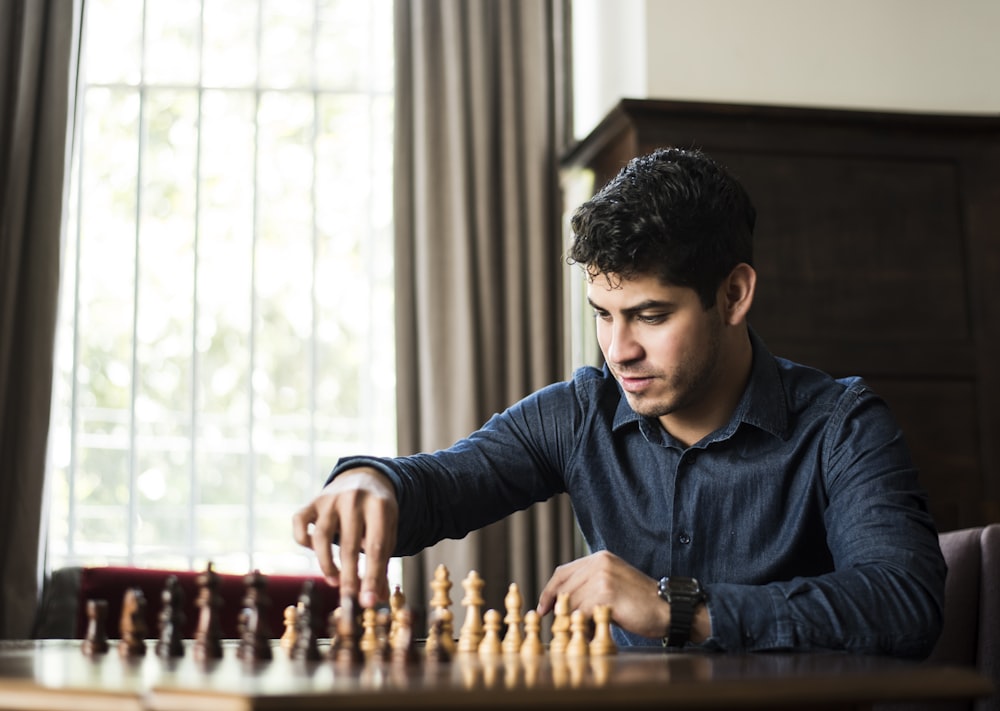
634	383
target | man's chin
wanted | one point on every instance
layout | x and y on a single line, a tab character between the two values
645	406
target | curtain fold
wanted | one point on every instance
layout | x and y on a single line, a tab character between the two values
481	119
38	59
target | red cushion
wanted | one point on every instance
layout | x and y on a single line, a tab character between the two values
110	583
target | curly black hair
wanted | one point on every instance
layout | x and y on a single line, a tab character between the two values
675	214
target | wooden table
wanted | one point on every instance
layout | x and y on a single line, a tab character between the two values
54	675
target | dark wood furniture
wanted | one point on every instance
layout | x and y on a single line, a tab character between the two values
54	676
878	254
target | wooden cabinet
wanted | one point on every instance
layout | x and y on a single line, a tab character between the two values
878	253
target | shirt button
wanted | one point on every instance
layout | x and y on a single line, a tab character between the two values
684	538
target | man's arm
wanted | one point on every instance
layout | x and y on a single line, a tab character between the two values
399	506
886	593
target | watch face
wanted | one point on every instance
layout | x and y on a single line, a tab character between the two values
686	586
679	586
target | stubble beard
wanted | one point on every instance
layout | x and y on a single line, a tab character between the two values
686	386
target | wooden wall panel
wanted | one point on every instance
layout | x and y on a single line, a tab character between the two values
878	253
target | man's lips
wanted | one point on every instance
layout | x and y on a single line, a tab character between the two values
634	383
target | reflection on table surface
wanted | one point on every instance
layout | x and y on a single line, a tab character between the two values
44	670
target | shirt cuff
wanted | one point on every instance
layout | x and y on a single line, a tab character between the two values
748	618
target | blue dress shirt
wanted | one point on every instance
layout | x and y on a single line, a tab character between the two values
802	517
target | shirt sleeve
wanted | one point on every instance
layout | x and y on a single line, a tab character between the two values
886	593
514	460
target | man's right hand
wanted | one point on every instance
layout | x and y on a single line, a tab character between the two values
359	508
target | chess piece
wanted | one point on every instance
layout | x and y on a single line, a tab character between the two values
208	635
471	633
603	644
396	603
346	648
255	635
560	625
490	645
369	638
577	646
332	624
95	640
441	587
171	639
287	640
446	619
436	648
305	647
383	621
404	650
513	636
133	624
441	608
531	646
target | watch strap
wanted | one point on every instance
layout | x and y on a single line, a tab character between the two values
683	595
681	617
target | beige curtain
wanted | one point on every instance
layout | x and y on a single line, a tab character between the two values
38	48
481	118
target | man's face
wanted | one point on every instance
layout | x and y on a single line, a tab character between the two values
660	343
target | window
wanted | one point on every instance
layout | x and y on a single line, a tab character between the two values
226	325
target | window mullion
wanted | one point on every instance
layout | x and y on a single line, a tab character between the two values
192	532
133	504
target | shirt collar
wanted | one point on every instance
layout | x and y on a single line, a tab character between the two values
762	405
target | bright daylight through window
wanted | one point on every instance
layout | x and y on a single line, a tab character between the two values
226	324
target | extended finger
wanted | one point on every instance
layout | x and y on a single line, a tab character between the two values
556	584
300	525
323	532
350	548
380	540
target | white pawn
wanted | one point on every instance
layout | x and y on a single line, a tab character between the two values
513	637
532	645
397	601
603	644
369	639
577	646
288	637
490	645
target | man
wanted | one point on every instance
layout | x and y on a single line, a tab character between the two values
732	500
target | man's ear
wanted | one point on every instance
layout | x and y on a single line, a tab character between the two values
736	293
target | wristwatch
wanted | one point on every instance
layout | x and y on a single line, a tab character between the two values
684	595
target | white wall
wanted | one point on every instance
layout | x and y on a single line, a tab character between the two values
937	56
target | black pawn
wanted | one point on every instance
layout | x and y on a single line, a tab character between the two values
347	647
255	635
171	639
305	626
95	641
208	635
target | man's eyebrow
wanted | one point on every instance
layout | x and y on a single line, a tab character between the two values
648	304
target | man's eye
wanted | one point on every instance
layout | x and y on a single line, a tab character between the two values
602	315
652	318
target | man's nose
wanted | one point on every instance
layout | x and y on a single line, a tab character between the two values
623	346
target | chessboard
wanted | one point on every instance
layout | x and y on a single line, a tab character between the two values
376	659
